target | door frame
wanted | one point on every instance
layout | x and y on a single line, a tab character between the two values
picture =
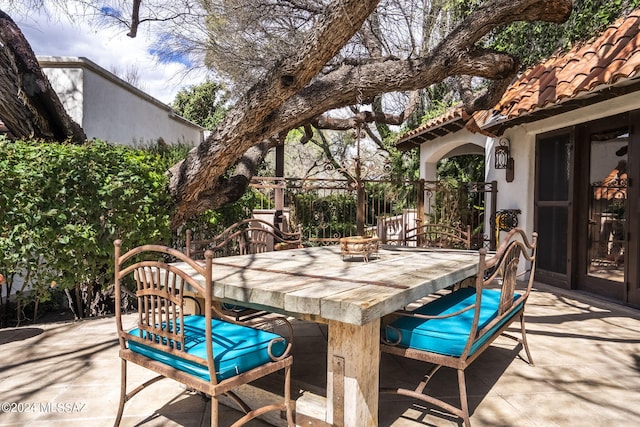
633	194
576	277
602	287
554	278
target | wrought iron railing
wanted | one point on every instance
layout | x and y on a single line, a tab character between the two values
329	209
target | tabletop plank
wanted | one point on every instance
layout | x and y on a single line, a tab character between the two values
318	282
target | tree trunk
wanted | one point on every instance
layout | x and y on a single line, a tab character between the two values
29	107
295	93
288	98
251	121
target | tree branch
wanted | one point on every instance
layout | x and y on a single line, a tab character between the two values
288	98
135	19
335	123
231	189
251	120
484	99
308	134
343	86
325	146
30	107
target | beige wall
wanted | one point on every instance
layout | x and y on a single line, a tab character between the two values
111	109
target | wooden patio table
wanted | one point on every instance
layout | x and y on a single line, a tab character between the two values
350	296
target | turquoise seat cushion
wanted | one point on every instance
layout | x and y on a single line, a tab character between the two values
236	348
448	336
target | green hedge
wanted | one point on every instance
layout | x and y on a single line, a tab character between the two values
62	205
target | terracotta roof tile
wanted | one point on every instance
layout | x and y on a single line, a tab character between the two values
612	56
452	114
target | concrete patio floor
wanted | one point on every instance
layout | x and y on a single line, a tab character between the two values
586	373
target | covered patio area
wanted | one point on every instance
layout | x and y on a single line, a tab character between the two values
586	351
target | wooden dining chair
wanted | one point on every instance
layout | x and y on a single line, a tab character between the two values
454	329
444	236
245	237
204	352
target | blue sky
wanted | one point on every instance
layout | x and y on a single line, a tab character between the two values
111	49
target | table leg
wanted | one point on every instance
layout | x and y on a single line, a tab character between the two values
353	374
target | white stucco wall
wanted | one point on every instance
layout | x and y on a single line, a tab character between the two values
519	194
432	151
67	83
111	109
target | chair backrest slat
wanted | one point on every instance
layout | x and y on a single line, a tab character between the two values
248	236
160	286
438	235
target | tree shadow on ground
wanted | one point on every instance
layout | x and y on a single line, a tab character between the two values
11	335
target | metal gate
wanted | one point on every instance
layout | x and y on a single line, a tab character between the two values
328	209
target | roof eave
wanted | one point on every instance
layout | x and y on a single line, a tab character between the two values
410	141
600	94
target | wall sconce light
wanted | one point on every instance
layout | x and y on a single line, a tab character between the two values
502	153
503	159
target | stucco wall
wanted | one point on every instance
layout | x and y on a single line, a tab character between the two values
67	83
111	109
461	142
519	194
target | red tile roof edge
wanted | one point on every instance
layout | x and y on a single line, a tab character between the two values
606	60
451	115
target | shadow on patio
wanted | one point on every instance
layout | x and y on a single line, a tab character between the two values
586	351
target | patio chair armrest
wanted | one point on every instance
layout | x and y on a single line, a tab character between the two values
270	324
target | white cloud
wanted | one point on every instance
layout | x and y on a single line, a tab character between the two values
110	48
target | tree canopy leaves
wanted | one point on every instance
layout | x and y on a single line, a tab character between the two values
205	104
533	42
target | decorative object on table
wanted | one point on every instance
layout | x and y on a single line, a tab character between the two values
359	246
